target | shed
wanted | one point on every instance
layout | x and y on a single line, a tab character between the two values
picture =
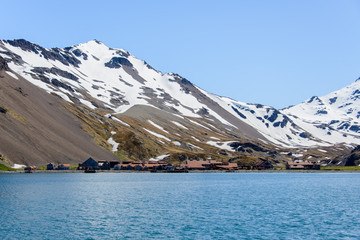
114	163
138	167
129	167
104	165
169	167
117	167
195	165
50	166
301	164
63	167
228	166
90	163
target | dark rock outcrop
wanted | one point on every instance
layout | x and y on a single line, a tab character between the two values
238	112
116	62
79	53
64	57
203	111
56	71
241	147
350	159
3	64
332	100
304	135
3	110
57	83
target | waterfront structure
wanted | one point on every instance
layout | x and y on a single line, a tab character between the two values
63	167
104	165
90	163
263	165
302	165
50	166
208	165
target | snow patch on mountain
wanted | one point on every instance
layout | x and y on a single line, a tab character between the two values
179	125
157	135
157	126
115	81
113	143
159	158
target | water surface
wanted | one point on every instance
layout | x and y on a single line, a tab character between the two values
180	206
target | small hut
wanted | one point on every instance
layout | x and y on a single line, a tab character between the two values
195	165
104	165
63	167
90	163
50	166
117	167
129	167
138	167
302	165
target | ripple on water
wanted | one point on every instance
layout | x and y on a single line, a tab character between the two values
180	206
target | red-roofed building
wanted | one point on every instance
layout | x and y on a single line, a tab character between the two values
302	165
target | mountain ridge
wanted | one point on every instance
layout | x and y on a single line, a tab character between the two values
112	81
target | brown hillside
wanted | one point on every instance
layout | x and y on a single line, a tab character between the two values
35	127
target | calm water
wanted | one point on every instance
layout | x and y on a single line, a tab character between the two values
180	206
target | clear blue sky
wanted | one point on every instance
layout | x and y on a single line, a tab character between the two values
277	52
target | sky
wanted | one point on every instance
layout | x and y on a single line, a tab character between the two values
276	53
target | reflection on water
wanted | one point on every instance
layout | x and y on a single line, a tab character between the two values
186	206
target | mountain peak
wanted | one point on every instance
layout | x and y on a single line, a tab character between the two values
95	41
94	75
92	43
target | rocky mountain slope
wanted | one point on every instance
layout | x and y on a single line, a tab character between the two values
165	115
36	128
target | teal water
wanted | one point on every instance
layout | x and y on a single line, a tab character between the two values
180	206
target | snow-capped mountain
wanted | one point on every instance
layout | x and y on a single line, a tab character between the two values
333	118
116	82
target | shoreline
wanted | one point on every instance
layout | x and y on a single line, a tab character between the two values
189	171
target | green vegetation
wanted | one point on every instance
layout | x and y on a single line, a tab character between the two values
42	168
16	116
135	146
121	156
247	161
342	168
5	168
73	167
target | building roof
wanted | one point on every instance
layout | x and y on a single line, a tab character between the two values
301	163
195	164
90	161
